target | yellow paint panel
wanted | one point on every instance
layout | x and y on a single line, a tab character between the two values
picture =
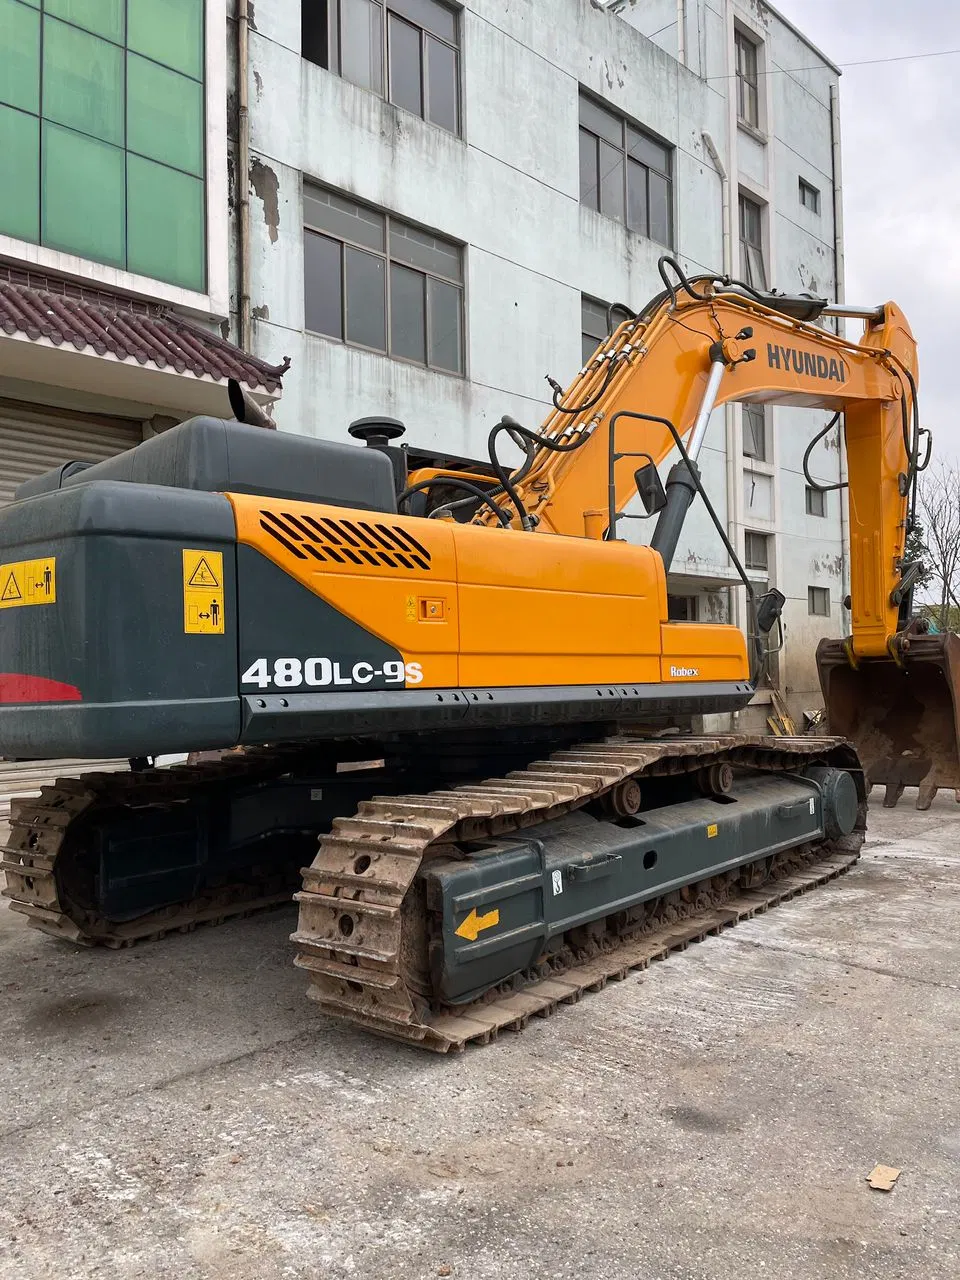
203	592
28	582
700	651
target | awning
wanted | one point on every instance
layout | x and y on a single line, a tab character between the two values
55	331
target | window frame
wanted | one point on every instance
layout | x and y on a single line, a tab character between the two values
389	260
401	12
587	300
748	267
748	410
807	188
624	124
818	595
748	563
747	79
691	603
812	496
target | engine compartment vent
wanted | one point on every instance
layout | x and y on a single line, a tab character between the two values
359	542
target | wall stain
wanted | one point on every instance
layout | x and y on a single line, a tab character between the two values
832	565
258	80
264	182
261	313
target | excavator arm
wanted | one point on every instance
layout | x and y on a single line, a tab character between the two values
686	358
649	390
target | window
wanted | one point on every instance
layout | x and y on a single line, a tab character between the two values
374	281
102	132
681	608
625	174
593	325
755	432
816	501
809	196
748	96
751	243
756	551
818	601
405	50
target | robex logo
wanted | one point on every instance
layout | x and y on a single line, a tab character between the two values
678	673
805	362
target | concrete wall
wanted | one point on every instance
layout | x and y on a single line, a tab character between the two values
509	190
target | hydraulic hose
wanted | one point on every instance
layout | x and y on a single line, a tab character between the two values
815	484
538	442
455	482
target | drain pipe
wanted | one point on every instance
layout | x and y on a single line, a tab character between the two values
682	32
837	182
243	173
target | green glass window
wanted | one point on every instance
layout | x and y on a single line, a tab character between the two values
19	56
108	161
164	115
164	222
81	195
82	81
102	17
19	174
169	31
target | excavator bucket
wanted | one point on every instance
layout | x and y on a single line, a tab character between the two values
901	719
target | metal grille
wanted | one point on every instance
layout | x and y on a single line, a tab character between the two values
365	543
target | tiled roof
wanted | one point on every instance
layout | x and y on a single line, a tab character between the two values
40	305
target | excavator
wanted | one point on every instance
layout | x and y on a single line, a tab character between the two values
445	696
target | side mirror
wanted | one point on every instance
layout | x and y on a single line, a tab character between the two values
769	609
650	488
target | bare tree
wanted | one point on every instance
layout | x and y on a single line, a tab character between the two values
939	499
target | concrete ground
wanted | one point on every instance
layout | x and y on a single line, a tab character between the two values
180	1110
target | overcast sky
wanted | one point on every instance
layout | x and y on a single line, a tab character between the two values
900	131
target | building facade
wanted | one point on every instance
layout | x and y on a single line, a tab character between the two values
444	199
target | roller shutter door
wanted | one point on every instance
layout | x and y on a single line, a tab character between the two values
33	439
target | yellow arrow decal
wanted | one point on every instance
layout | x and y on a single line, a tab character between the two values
475	924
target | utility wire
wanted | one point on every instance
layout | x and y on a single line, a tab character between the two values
866	62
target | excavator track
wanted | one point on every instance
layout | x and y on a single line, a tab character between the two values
41	826
362	930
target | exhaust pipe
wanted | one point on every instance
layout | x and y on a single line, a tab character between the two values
246	409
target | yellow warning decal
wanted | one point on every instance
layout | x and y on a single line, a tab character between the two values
203	593
28	582
711	830
475	924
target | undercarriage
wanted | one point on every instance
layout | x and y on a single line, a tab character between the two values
450	904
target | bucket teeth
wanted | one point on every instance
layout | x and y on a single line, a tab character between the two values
901	717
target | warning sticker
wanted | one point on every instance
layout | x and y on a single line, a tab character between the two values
203	593
711	830
28	582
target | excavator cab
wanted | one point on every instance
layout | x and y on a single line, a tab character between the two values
901	715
